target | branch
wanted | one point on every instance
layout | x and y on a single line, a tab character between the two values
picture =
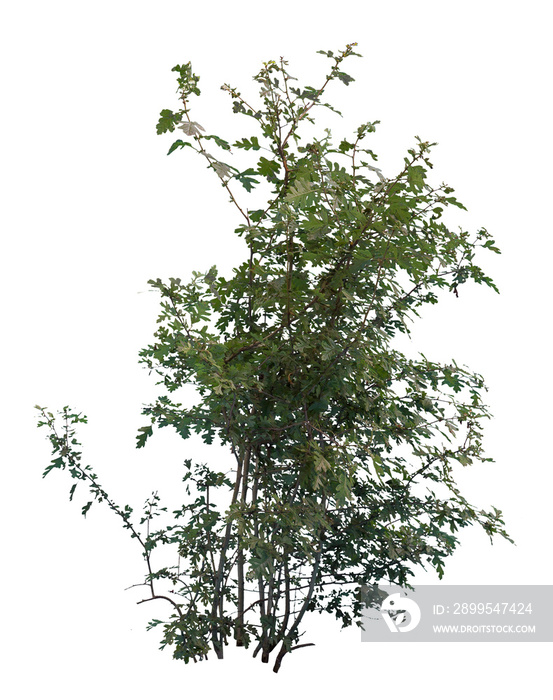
163	597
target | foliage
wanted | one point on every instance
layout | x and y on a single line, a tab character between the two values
345	448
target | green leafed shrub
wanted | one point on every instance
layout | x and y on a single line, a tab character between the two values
345	449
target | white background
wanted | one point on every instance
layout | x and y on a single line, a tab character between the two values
92	209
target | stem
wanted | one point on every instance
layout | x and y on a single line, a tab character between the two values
217	598
290	258
199	140
163	597
239	628
288	638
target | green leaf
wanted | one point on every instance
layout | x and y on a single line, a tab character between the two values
219	141
416	177
344	77
246	180
167	121
179	143
268	168
143	435
55	464
247	144
300	188
345	146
